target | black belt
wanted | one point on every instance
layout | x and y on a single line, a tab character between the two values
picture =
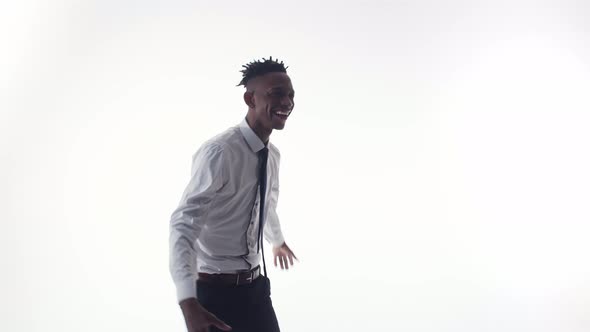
236	279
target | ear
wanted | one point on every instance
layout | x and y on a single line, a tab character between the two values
249	99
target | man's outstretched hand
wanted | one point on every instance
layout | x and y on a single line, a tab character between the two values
284	255
198	319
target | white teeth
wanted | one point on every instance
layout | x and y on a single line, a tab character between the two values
282	113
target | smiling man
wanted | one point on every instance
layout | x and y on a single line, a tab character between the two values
227	208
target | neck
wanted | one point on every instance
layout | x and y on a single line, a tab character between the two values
260	131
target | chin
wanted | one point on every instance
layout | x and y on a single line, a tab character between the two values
278	126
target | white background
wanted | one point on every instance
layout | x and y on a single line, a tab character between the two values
434	172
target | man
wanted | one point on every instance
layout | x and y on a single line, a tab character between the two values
228	206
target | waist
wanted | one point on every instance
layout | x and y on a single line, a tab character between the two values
235	279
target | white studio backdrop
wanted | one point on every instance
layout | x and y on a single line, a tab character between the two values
434	172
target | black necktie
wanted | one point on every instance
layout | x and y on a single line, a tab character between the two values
262	159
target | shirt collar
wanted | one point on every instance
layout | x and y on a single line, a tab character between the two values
252	139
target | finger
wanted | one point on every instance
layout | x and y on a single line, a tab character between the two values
286	262
276	260
291	258
218	323
281	261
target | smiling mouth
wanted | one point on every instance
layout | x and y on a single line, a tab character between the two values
282	114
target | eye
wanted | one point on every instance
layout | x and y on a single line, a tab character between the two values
276	94
281	94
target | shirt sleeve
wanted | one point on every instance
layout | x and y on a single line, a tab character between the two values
190	216
272	228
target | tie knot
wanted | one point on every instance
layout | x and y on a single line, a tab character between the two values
262	161
263	153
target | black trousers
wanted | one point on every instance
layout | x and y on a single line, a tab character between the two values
246	308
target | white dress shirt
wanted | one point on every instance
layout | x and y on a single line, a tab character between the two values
215	227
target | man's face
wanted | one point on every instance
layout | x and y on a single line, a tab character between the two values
272	100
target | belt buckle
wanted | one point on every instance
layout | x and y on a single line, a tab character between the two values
249	279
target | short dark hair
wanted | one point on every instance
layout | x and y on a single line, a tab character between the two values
259	68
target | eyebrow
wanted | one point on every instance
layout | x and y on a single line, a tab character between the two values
280	88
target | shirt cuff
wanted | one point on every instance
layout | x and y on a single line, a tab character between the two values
278	240
186	289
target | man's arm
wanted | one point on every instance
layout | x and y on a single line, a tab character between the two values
272	231
188	219
186	224
272	226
